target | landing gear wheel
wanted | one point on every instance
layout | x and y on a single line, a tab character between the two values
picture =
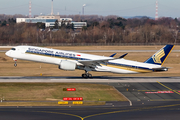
84	75
89	76
15	62
15	65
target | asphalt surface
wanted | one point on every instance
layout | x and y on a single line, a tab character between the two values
152	98
149	91
95	79
162	111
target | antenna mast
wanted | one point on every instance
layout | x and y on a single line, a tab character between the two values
30	9
52	8
156	16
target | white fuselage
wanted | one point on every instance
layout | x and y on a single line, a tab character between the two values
54	56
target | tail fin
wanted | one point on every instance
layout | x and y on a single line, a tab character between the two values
160	56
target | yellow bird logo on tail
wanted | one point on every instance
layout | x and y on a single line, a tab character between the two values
157	57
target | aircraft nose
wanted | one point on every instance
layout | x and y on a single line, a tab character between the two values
8	53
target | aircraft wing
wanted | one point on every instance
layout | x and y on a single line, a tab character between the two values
94	62
99	61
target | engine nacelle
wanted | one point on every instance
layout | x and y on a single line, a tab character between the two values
67	65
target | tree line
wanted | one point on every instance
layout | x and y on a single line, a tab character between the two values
110	29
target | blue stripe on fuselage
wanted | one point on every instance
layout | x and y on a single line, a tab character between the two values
77	58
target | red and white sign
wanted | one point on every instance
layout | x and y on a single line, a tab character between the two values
159	92
77	98
72	98
67	98
71	89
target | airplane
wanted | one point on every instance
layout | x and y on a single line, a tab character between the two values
69	61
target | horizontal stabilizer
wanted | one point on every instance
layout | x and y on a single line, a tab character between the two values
160	69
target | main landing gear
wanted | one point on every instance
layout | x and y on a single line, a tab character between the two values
86	75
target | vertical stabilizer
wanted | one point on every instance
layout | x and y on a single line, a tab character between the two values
160	56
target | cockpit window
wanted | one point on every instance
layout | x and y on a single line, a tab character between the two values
13	49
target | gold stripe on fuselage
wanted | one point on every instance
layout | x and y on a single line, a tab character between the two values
140	70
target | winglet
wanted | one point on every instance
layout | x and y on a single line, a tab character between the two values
113	55
160	56
122	56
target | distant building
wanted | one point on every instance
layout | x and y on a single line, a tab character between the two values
66	19
50	21
50	17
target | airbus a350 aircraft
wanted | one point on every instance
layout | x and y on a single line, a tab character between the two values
68	60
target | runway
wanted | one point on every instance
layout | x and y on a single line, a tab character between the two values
156	98
95	79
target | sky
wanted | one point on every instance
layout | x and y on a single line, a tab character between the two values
167	8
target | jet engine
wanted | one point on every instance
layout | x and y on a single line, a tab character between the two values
67	65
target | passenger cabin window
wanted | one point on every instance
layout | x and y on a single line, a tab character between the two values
13	49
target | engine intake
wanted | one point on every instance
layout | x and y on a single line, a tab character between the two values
67	65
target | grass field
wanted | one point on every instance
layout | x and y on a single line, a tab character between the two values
153	47
54	92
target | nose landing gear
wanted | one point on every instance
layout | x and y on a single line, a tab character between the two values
15	64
